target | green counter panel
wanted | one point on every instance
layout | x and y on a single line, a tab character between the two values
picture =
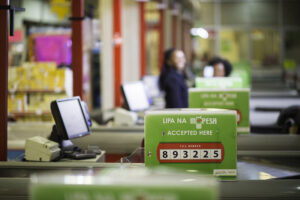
126	184
219	82
234	99
192	139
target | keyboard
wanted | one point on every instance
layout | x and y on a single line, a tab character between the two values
79	155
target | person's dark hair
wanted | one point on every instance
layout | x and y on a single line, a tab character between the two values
168	56
165	68
227	66
226	63
215	61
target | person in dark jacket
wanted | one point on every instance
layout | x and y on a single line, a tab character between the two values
171	79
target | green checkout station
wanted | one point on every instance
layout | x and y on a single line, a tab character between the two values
203	140
235	99
201	152
126	184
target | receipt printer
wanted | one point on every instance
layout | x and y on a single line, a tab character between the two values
40	149
125	117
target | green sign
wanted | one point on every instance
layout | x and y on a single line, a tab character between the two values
219	82
126	184
202	140
234	99
243	75
289	64
242	70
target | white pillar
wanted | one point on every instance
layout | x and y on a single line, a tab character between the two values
131	41
106	54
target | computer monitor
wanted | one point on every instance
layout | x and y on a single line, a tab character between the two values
70	120
135	98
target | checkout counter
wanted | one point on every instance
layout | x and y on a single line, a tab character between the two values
265	111
254	181
268	165
113	139
268	99
124	140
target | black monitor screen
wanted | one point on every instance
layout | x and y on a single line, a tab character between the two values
69	118
135	96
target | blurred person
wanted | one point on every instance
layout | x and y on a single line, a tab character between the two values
171	79
222	67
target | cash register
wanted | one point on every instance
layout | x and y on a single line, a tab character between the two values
71	121
135	103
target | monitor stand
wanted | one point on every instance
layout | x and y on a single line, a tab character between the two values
69	150
65	145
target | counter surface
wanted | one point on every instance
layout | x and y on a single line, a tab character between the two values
254	181
124	140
